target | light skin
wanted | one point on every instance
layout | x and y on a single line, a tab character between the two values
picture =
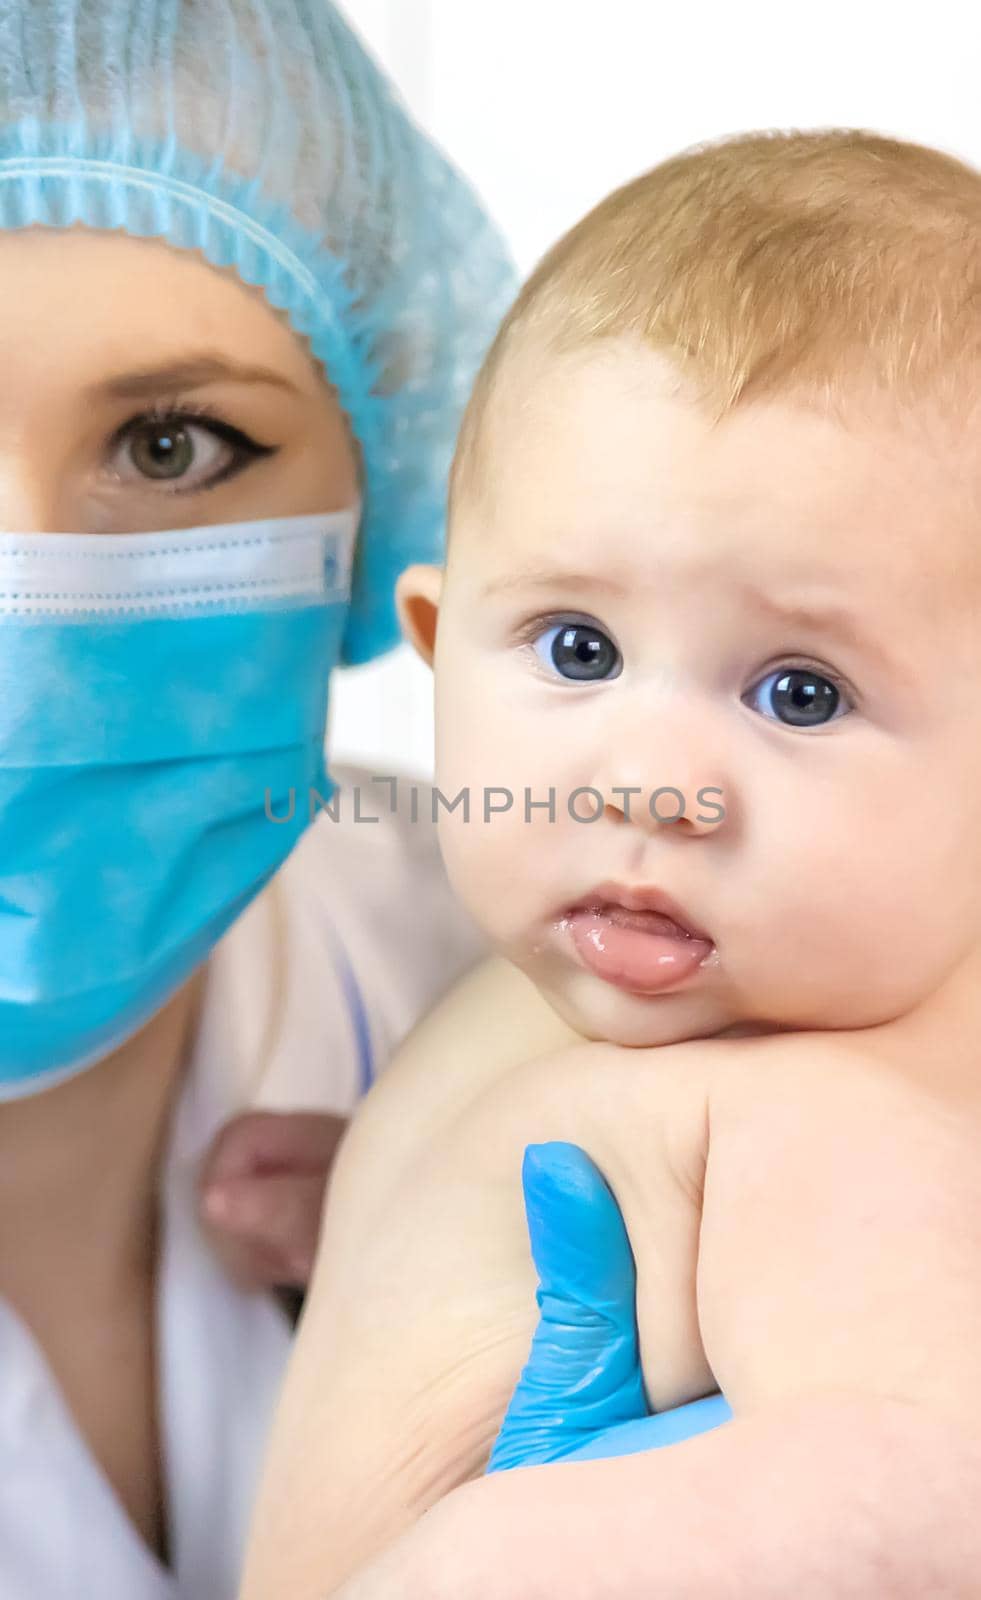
802	1208
98	329
672	525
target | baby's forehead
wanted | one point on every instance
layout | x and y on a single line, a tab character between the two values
607	452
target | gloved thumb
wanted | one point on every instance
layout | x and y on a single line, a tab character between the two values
584	1373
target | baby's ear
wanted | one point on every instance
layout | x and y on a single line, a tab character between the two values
417	595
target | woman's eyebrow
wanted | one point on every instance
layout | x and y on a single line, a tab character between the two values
189	373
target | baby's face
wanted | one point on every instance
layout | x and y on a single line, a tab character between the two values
780	608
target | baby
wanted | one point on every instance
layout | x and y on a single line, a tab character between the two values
712	617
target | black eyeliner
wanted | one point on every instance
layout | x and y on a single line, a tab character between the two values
174	414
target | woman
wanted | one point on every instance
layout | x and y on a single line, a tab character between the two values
241	300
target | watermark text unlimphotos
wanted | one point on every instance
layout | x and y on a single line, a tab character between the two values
425	804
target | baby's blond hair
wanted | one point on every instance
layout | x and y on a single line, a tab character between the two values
768	262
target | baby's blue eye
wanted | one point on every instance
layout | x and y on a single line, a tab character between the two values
580	651
799	698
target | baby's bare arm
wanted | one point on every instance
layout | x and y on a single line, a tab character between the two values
841	1228
423	1306
855	1468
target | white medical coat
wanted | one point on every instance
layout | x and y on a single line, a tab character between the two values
305	998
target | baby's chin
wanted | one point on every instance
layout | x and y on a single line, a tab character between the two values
601	1012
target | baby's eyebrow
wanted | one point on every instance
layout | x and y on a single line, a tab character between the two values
190	372
821	617
829	619
835	622
832	620
554	578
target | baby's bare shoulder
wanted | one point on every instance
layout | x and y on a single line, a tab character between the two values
492	1019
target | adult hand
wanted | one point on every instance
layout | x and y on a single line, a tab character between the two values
262	1191
581	1395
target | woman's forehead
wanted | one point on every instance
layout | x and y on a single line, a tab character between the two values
80	301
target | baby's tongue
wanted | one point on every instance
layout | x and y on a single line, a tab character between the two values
639	950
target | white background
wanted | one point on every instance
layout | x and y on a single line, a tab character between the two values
549	104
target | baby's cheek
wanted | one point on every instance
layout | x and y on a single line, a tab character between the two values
856	940
485	857
498	849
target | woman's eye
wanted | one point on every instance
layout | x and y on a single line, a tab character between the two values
180	450
798	697
580	651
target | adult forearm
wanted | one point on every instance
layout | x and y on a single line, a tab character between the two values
835	1498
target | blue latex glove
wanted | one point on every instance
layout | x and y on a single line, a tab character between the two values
581	1395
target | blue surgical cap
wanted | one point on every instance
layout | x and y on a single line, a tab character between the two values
260	133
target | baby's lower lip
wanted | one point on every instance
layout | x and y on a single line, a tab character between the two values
641	951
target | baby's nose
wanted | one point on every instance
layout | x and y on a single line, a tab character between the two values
665	771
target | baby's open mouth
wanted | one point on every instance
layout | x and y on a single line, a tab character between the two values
635	939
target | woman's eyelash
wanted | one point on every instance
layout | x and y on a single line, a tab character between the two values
176	413
166	410
178	410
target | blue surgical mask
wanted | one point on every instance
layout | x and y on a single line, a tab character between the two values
163	704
